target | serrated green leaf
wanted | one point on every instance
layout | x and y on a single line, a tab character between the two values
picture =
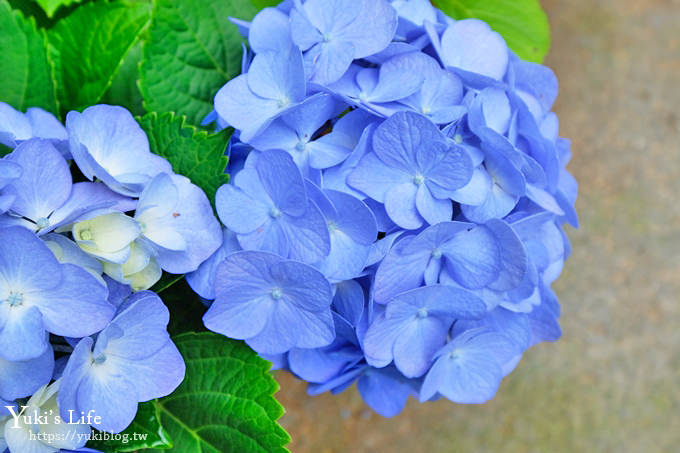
26	76
88	46
146	425
225	403
51	6
522	23
193	153
191	52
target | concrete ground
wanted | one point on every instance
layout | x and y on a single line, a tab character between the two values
612	383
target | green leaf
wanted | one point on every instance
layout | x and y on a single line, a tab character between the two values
522	23
124	89
88	47
192	51
192	152
225	403
26	75
146	424
51	6
261	4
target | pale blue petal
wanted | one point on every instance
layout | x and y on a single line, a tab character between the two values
269	31
399	272
202	280
431	209
473	257
111	397
21	379
22	333
417	343
396	140
374	178
45	183
78	307
158	375
472	46
400	204
349	301
278	75
282	181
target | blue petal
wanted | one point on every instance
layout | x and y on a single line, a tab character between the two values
45	183
77	307
433	210
400	204
22	336
191	219
349	301
282	181
400	136
385	391
106	142
417	343
202	280
513	256
14	126
269	31
472	46
399	272
278	76
111	397
473	257
374	178
243	109
21	379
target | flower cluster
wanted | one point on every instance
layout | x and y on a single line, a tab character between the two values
71	255
397	196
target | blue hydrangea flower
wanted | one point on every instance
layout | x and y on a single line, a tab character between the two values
413	171
469	368
44	197
132	360
415	325
294	132
377	89
107	143
19	379
16	128
352	230
275	82
269	210
333	33
441	139
177	223
40	295
272	303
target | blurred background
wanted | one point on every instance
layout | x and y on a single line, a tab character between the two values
612	383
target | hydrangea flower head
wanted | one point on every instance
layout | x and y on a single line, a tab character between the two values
411	163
